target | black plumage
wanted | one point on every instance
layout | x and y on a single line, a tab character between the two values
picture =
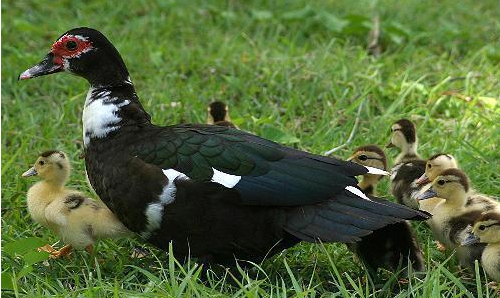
393	246
264	197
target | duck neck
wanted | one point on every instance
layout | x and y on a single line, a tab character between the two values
109	108
408	151
368	184
457	199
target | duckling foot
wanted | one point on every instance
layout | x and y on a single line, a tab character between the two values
440	246
47	248
64	251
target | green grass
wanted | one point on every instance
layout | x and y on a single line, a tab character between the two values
288	70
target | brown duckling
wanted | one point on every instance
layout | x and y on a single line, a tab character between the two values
218	114
79	220
408	165
487	230
393	245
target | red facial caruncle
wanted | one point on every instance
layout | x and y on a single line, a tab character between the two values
70	46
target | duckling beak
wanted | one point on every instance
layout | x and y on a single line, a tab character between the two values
31	172
471	239
45	67
430	193
423	179
390	145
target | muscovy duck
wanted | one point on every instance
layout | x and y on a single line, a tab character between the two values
215	192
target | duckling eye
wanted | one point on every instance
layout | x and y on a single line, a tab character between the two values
429	166
41	162
362	157
482	227
71	45
441	182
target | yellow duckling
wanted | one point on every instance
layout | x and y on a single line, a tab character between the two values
434	166
78	219
218	114
452	216
487	230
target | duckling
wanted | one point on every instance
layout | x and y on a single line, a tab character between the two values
452	216
393	245
78	219
372	156
218	114
404	137
408	165
434	166
487	230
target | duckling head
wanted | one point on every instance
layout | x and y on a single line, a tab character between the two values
369	156
52	166
403	134
486	229
435	165
451	185
217	111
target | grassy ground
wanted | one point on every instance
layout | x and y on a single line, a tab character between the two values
291	72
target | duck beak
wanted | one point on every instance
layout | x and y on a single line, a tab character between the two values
389	145
423	179
471	239
31	172
430	193
45	67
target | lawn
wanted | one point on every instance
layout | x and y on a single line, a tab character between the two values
291	71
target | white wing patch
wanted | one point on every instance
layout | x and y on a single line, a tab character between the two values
225	179
375	171
357	192
154	214
154	211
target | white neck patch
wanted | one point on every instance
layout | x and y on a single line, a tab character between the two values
99	115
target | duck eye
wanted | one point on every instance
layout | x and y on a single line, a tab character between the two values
482	227
41	162
362	157
71	45
441	182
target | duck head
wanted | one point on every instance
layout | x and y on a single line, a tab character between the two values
451	185
84	52
369	156
217	111
435	165
486	229
403	133
52	166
